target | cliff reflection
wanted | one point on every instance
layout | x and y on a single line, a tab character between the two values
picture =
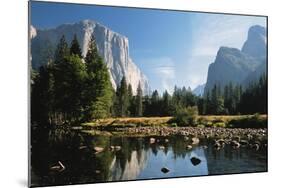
130	158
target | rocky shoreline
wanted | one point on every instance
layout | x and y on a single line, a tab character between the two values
236	137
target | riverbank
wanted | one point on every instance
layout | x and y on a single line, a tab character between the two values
247	130
236	121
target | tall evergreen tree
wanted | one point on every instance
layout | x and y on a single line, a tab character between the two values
166	104
69	83
75	47
42	96
131	109
139	105
98	95
62	51
123	98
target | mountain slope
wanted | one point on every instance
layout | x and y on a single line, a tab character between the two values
255	44
113	47
199	90
231	65
239	66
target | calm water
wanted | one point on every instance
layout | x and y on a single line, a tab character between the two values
137	158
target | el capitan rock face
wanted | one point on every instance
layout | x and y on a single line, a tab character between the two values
112	46
240	66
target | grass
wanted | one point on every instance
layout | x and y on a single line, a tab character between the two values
130	121
241	121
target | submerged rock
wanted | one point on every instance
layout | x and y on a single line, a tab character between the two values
204	147
165	170
195	161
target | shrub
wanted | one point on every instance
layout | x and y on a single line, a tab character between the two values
200	126
202	121
173	125
209	124
186	116
219	124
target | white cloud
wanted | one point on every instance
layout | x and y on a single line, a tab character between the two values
161	70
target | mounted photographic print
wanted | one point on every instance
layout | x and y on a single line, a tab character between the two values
123	93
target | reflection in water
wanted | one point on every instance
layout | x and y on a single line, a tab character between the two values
180	166
137	158
132	169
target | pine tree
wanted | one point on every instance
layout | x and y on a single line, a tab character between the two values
75	47
123	98
139	106
207	104
70	76
214	100
131	110
92	55
62	51
166	104
42	96
98	95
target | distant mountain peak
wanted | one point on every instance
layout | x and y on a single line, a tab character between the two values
255	44
239	66
256	30
199	90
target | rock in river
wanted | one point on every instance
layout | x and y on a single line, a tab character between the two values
235	144
152	140
115	148
217	145
188	147
195	141
98	149
195	161
165	170
162	147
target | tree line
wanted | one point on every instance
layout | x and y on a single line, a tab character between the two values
232	99
72	88
235	99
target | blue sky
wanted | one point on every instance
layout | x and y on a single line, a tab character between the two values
170	47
